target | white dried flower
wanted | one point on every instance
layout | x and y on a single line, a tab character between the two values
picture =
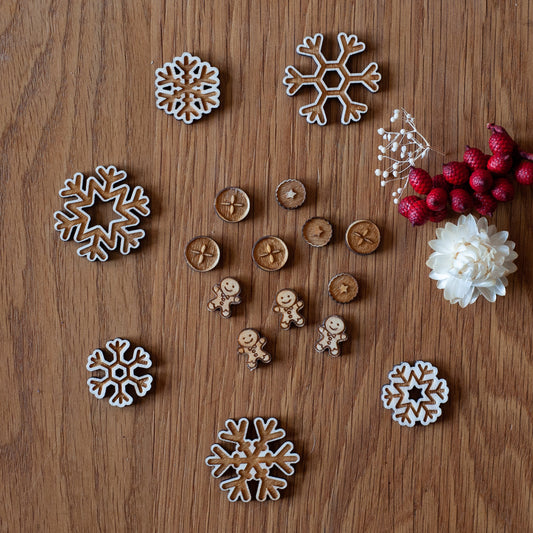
471	259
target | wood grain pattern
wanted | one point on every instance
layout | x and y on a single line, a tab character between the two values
77	84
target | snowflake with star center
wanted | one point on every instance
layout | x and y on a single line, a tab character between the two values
252	460
119	372
338	69
96	239
398	395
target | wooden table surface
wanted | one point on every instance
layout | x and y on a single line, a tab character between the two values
77	91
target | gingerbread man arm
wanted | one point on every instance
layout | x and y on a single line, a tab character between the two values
262	341
343	337
276	309
237	299
242	350
217	290
299	305
322	330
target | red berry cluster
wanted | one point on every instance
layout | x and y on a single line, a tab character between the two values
478	182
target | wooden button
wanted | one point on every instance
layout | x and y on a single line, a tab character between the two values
202	254
232	204
343	288
291	194
317	232
363	237
270	253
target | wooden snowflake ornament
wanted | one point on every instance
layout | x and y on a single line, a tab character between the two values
119	372
252	460
119	233
414	394
187	88
325	71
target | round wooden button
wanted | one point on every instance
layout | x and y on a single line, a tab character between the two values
363	237
202	254
232	204
343	288
270	253
291	194
317	231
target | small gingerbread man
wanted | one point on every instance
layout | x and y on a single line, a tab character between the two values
251	344
332	332
227	293
288	305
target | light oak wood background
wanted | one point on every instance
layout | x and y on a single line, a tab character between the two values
77	91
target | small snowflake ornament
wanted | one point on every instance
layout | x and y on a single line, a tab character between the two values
400	151
252	459
471	259
118	372
337	69
414	394
76	222
187	88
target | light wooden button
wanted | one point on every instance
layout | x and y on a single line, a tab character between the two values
202	254
317	232
270	253
232	204
343	288
363	237
291	194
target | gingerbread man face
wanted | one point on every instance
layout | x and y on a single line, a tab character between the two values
335	325
230	286
286	298
248	338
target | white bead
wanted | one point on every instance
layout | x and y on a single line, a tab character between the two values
381	131
396	201
395	166
385	174
377	172
380	157
383	183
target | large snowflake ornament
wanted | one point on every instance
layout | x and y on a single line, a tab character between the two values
400	151
252	459
119	372
337	69
187	88
414	393
119	234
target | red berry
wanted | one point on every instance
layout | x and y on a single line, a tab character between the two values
436	199
500	143
456	173
485	204
440	182
475	158
481	180
503	190
500	164
420	180
461	200
438	216
418	213
524	172
405	204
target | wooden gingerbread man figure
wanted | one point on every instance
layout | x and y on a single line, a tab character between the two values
251	344
227	293
332	332
288	305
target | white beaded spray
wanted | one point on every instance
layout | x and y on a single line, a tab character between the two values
400	151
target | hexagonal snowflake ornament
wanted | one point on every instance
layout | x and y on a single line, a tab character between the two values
312	47
119	372
252	460
187	88
415	394
121	232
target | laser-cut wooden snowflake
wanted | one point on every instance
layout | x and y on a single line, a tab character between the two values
399	396
119	234
312	47
252	459
187	88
